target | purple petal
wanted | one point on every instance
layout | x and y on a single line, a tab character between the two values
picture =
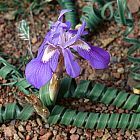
54	61
84	53
62	13
98	58
75	32
68	23
71	64
81	29
38	73
41	51
77	36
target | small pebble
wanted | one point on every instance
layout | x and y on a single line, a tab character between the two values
120	70
59	137
47	125
42	131
79	131
128	133
64	134
21	135
28	127
88	134
132	137
34	138
120	111
73	130
27	137
39	121
137	134
74	137
16	137
82	137
105	76
98	134
86	100
21	128
54	132
46	136
116	75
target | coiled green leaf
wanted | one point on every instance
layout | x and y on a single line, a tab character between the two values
14	111
65	116
11	73
101	93
95	16
85	89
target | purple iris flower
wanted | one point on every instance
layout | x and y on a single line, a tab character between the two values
59	41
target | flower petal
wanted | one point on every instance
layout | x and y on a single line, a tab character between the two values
98	57
71	64
48	54
54	60
38	73
73	39
68	23
75	32
62	13
81	29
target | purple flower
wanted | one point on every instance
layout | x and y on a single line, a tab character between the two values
59	41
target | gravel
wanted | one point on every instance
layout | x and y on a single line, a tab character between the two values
116	75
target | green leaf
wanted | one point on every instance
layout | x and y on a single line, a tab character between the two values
68	117
45	95
111	123
120	98
26	112
24	30
1	115
9	112
124	121
4	71
109	95
9	72
134	122
102	121
3	7
55	114
67	88
132	100
71	16
80	119
81	89
91	121
96	92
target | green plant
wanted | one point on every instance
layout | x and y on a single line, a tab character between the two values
122	16
14	77
95	92
23	7
89	120
15	111
86	89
